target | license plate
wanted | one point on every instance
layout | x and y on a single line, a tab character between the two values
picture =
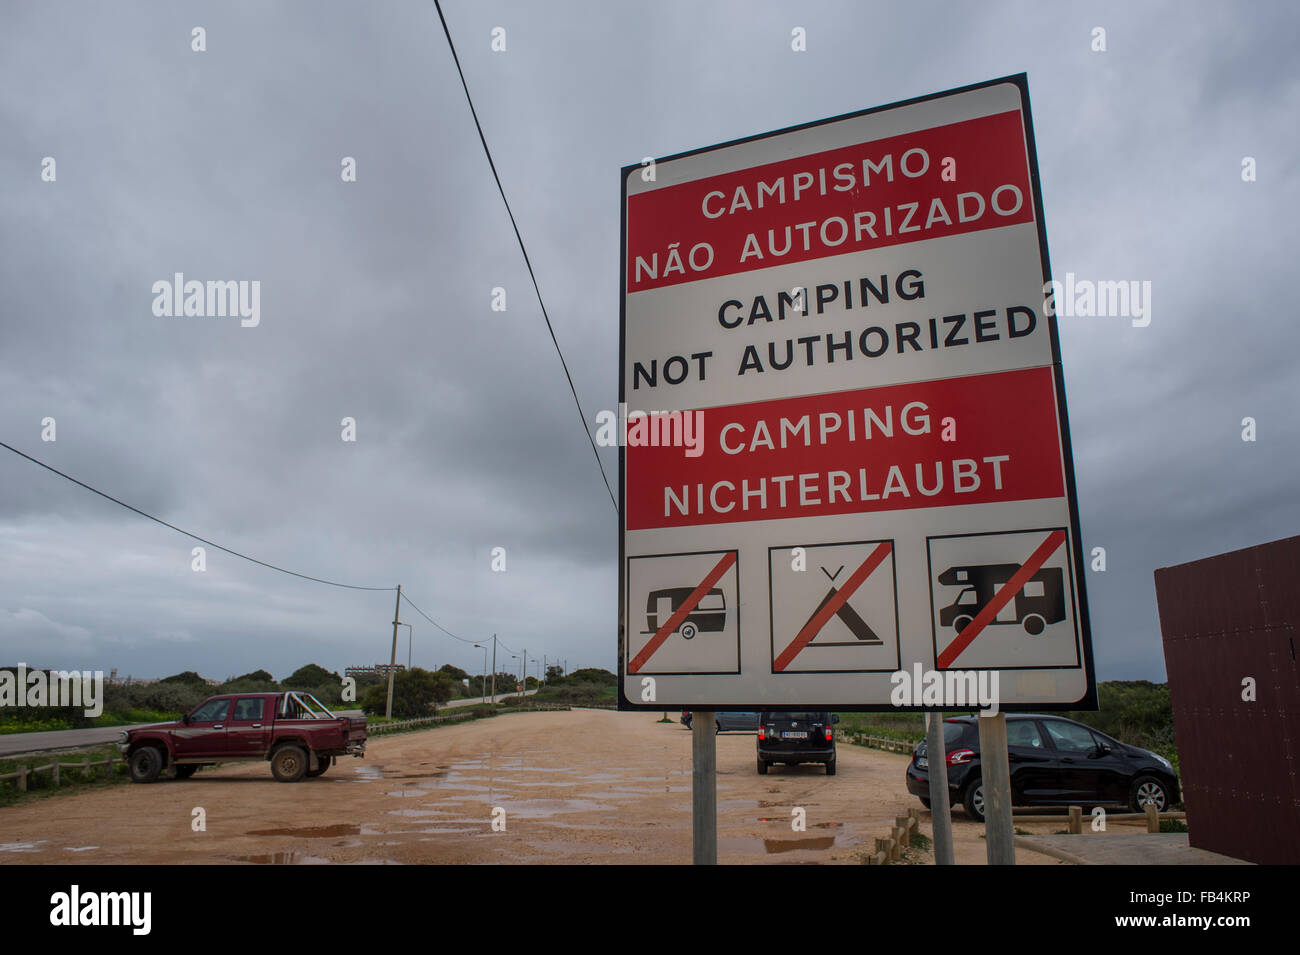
799	734
922	763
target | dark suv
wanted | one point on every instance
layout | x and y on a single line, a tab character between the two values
1054	762
792	738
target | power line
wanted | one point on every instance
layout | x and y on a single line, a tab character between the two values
565	365
202	540
436	623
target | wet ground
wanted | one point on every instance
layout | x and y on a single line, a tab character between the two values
563	787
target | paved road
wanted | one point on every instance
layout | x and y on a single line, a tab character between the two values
476	700
14	743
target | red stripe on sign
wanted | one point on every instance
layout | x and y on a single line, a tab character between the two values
865	196
1001	599
832	606
855	452
682	612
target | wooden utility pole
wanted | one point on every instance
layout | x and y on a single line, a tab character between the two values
494	669
392	665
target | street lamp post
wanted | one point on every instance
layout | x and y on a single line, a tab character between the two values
483	680
410	640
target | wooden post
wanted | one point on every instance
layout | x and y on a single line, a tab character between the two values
56	771
85	768
1076	820
22	779
904	824
1153	817
108	767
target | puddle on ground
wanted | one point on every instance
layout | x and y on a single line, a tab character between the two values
282	858
545	808
310	832
790	845
21	846
738	804
80	848
426	813
774	846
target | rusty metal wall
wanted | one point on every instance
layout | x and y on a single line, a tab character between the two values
1223	619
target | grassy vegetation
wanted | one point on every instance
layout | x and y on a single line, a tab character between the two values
586	687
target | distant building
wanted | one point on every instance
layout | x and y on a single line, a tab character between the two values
377	669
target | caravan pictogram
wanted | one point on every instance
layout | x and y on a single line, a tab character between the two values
691	621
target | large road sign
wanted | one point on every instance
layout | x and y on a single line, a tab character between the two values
853	456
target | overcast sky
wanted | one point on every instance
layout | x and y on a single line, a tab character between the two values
376	295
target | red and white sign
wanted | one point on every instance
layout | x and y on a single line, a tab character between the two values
838	373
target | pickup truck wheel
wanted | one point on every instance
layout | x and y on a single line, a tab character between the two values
762	768
322	763
289	764
146	764
185	772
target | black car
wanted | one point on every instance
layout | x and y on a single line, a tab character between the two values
792	738
1054	762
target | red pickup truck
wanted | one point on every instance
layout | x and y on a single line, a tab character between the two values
294	731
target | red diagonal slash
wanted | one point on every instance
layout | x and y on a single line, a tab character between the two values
829	609
1001	598
682	612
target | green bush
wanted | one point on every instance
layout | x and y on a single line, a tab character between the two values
310	677
416	693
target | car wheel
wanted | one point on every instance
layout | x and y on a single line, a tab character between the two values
830	768
145	764
1034	624
1148	789
322	763
689	630
960	624
762	768
289	764
973	800
185	772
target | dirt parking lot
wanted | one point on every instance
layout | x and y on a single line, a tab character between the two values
576	787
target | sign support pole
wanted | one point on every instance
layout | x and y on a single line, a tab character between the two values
996	778
704	789
940	809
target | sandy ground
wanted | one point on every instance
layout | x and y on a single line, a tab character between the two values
576	787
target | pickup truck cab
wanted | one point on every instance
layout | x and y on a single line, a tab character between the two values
294	731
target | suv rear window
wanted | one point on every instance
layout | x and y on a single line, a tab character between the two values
796	717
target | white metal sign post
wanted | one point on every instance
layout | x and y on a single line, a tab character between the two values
846	469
